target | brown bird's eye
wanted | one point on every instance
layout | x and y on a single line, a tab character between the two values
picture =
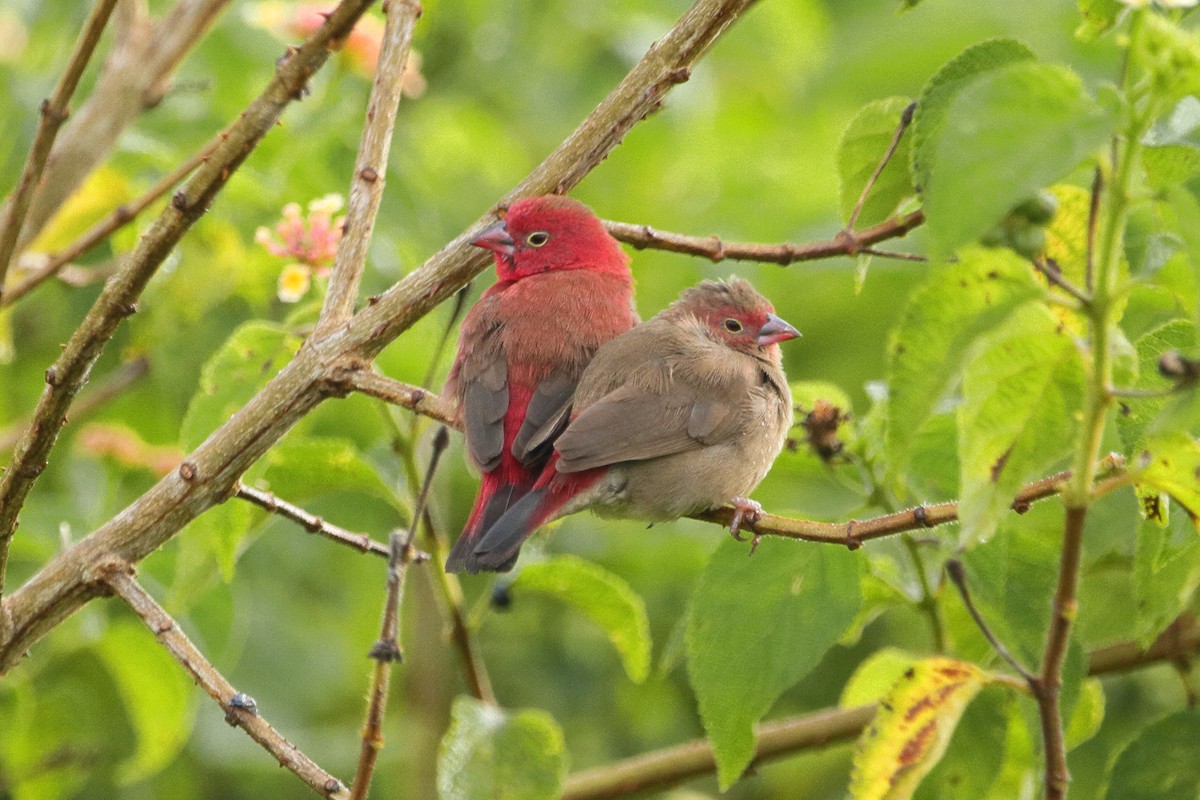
733	326
538	238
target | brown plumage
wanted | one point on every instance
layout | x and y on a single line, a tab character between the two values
683	413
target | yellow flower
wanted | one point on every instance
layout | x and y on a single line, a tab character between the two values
294	282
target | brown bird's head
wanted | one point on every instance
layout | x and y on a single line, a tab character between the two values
735	314
551	232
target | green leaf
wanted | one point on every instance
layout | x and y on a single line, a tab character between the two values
1136	413
1088	715
1161	763
1021	395
943	319
492	754
977	752
604	598
1170	165
1171	464
246	361
1186	208
912	728
156	693
756	626
210	545
875	676
1166	572
301	468
1066	235
1098	17
944	86
864	143
1007	134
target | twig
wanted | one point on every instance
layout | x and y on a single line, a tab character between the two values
55	111
209	473
240	710
386	650
122	215
660	769
310	522
370	169
717	250
1053	273
101	393
119	297
1093	219
928	603
905	120
404	395
954	568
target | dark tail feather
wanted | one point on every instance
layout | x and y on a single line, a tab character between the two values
501	543
485	514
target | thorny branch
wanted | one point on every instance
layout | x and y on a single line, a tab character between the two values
240	710
55	110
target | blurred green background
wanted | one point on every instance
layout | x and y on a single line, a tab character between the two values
745	150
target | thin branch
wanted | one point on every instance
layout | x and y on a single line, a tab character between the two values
122	215
717	250
1053	273
55	111
954	568
240	710
370	169
386	650
317	372
906	118
310	522
420	400
101	393
1092	221
119	298
670	766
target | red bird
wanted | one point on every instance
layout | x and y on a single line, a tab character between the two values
564	289
684	413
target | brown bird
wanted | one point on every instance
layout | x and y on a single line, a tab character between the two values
563	289
681	414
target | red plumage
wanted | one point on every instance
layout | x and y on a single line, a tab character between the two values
564	289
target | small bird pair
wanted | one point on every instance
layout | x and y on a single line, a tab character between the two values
568	403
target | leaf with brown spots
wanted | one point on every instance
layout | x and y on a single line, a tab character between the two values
912	728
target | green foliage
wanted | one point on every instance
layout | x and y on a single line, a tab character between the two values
1160	764
863	143
745	648
492	754
602	597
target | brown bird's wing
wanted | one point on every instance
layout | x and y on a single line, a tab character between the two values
545	416
633	424
484	403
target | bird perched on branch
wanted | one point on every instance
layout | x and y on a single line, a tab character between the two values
683	413
564	289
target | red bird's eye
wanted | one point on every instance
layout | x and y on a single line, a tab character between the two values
538	238
733	326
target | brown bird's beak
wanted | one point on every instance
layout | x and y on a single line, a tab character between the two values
775	330
495	238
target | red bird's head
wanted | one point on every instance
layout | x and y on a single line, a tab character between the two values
548	233
736	315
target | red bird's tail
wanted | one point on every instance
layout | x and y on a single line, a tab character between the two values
496	496
498	548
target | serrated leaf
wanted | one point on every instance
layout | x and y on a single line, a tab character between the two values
1034	122
863	144
1171	464
1018	418
1098	17
1186	208
944	318
1166	573
1170	165
1161	763
756	626
944	86
245	362
1136	413
603	597
156	693
493	754
301	468
912	728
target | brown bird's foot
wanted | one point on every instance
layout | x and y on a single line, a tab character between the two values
745	510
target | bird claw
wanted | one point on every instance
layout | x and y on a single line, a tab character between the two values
745	510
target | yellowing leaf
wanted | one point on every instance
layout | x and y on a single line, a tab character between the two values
912	728
104	190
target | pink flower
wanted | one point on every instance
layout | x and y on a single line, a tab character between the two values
309	241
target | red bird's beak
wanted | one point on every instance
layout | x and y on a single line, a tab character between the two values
775	330
495	238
